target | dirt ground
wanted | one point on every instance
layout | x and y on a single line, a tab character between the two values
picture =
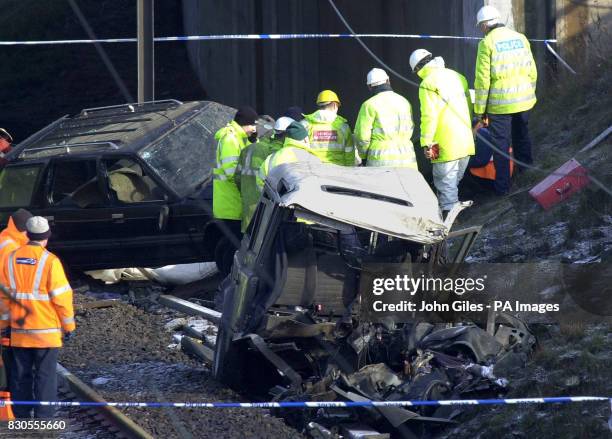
123	352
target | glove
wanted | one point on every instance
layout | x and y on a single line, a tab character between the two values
5	333
432	152
435	151
68	336
483	119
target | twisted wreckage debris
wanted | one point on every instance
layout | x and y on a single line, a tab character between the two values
290	325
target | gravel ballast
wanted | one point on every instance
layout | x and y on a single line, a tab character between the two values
123	353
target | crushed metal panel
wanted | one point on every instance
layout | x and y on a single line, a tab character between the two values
392	201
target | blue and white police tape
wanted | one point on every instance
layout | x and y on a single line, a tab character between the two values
318	404
249	37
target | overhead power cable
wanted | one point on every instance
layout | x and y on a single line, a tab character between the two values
105	59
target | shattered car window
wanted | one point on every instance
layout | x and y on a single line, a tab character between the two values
129	183
184	158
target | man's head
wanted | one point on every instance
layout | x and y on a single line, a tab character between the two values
296	131
376	77
246	117
328	100
487	17
419	59
20	218
5	140
280	126
38	230
295	113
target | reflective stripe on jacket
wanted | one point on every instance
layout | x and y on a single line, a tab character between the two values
506	73
226	198
251	159
445	112
383	131
292	151
330	138
42	306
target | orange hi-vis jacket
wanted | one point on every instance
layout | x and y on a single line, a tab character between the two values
42	305
10	239
488	171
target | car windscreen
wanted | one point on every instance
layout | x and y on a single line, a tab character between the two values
17	185
185	157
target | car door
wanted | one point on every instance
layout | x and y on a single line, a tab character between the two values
79	212
146	216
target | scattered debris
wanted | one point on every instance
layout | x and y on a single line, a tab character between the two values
175	324
100	381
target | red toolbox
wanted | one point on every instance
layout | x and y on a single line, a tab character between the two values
561	184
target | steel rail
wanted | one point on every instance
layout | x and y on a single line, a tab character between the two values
128	427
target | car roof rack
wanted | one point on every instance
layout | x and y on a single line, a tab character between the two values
132	107
68	148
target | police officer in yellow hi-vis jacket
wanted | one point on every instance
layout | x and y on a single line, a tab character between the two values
39	318
227	202
384	126
446	131
505	86
231	140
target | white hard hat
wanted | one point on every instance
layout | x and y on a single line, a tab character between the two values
488	14
377	76
37	228
418	56
282	123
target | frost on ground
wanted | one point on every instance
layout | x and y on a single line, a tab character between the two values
572	358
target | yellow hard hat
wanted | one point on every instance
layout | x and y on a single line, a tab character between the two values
327	96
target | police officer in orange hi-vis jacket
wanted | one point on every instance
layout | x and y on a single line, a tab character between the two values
40	317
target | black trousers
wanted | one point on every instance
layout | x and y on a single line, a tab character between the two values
7	361
506	130
34	378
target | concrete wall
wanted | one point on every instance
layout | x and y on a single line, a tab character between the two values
273	75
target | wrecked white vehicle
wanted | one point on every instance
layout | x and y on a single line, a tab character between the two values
290	326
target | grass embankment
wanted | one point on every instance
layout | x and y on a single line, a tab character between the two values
572	359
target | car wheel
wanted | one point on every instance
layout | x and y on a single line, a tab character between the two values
224	255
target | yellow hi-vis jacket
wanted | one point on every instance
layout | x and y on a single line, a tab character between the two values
251	159
506	73
226	198
445	112
42	306
383	131
292	151
330	137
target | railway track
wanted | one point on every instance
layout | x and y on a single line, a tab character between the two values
78	422
96	422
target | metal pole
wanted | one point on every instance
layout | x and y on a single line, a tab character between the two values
146	76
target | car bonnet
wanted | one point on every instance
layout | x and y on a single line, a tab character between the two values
392	201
